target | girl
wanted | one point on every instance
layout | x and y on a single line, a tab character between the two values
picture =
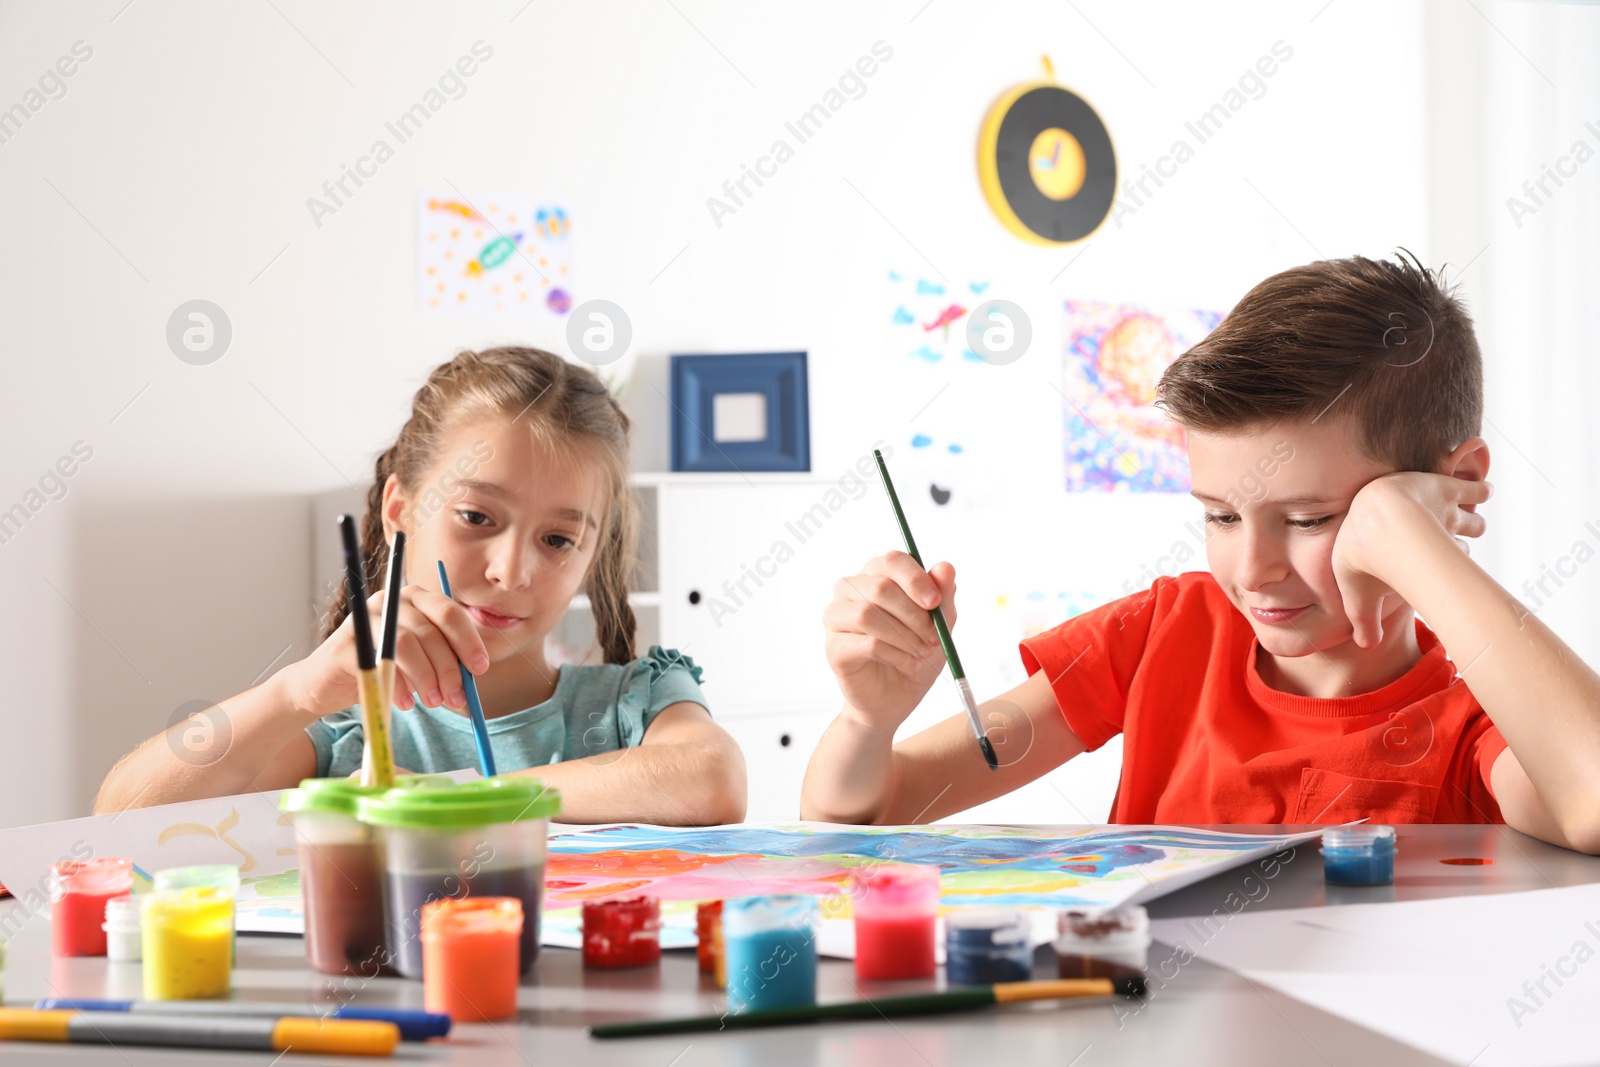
512	470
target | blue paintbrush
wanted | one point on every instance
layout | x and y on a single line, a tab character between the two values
480	725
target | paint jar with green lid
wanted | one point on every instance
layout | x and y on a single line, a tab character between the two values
341	876
483	838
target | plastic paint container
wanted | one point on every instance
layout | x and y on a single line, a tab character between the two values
1358	855
79	890
707	920
484	838
188	943
1102	942
341	876
471	951
220	876
987	945
622	933
124	932
770	950
895	905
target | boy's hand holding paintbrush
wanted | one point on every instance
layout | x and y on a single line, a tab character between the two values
881	641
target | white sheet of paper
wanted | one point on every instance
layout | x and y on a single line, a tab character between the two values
1490	980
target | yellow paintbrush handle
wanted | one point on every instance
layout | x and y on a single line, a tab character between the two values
377	757
1052	989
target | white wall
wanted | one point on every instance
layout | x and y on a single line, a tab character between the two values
179	162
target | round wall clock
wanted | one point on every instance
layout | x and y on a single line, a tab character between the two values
1046	163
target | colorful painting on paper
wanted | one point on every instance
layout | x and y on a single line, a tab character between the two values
1114	354
982	865
493	254
928	317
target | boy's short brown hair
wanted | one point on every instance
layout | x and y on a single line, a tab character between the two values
1385	341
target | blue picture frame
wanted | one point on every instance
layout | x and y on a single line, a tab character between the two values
780	377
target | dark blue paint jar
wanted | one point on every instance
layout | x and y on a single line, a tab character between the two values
1358	855
983	946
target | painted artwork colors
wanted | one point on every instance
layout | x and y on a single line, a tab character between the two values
980	865
493	254
1113	355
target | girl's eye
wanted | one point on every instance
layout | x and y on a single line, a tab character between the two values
1221	520
1310	524
473	518
565	542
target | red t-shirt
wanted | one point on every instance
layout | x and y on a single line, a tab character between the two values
1173	669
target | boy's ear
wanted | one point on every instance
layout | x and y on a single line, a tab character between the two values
394	508
1469	460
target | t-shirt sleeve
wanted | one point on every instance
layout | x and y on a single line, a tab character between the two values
1091	660
659	679
338	739
1468	794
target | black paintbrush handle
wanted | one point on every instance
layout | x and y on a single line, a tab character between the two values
883	1007
356	584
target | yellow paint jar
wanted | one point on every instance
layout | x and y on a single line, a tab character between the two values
188	943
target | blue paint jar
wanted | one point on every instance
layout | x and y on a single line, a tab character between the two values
1358	855
983	946
770	947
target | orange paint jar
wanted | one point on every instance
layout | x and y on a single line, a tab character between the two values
470	953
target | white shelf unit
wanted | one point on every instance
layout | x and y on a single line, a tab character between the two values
734	572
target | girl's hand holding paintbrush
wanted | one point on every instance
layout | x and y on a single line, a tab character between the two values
881	641
434	632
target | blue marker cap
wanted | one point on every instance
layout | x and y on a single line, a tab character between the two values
414	1025
80	1004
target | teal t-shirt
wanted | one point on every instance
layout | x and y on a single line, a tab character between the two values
595	708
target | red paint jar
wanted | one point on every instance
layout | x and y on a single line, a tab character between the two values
622	933
895	905
79	890
707	917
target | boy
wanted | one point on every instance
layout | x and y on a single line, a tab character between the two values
1332	424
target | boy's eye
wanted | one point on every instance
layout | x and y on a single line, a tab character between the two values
1309	524
1221	519
473	518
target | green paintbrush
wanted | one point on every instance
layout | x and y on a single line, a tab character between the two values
884	1007
945	640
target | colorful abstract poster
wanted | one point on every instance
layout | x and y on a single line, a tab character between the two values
493	255
1018	614
1113	356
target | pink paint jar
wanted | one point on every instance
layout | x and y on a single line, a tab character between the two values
895	905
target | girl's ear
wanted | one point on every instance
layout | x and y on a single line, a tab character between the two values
395	507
